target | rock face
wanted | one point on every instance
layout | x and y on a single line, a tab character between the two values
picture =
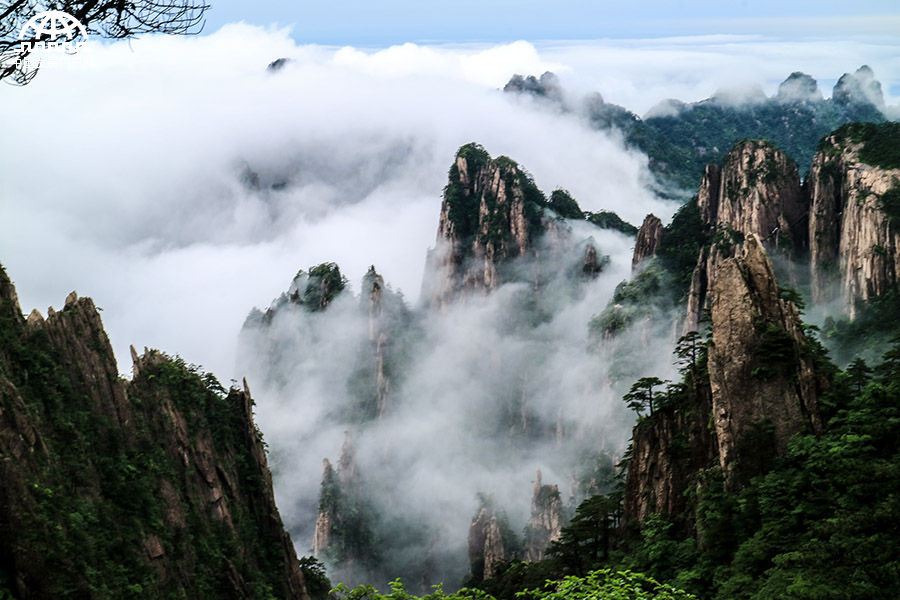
328	517
545	524
486	545
666	451
648	239
762	382
491	213
158	485
759	389
854	245
756	192
379	337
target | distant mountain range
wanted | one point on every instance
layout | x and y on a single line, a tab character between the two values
681	138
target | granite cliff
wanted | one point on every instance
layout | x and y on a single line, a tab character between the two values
157	486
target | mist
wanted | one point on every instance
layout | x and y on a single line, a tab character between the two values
482	395
180	184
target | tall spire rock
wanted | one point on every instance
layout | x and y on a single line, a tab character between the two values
647	241
487	549
853	227
492	212
762	381
327	519
756	192
545	524
379	338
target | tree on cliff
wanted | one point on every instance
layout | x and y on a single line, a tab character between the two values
114	19
640	397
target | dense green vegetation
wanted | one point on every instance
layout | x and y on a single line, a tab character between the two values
818	522
880	142
602	584
109	482
610	220
563	204
663	281
680	145
866	336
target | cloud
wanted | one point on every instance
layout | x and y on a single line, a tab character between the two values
125	173
180	184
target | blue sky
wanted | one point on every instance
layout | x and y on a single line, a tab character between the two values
359	22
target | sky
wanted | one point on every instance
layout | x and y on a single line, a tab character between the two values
359	22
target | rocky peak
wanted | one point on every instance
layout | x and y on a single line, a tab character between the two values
755	192
798	87
547	86
855	190
858	88
648	239
170	449
545	524
492	212
9	300
762	381
486	545
327	519
316	288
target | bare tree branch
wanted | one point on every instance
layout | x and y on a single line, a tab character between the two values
115	19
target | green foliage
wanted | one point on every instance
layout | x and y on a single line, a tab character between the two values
88	505
689	352
775	352
606	584
685	236
369	592
641	395
641	296
868	335
324	284
880	142
563	204
890	204
314	577
610	220
589	537
681	145
463	207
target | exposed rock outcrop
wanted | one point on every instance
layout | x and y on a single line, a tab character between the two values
327	518
648	239
492	212
159	485
758	389
757	191
546	521
854	245
486	545
379	337
762	381
666	452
